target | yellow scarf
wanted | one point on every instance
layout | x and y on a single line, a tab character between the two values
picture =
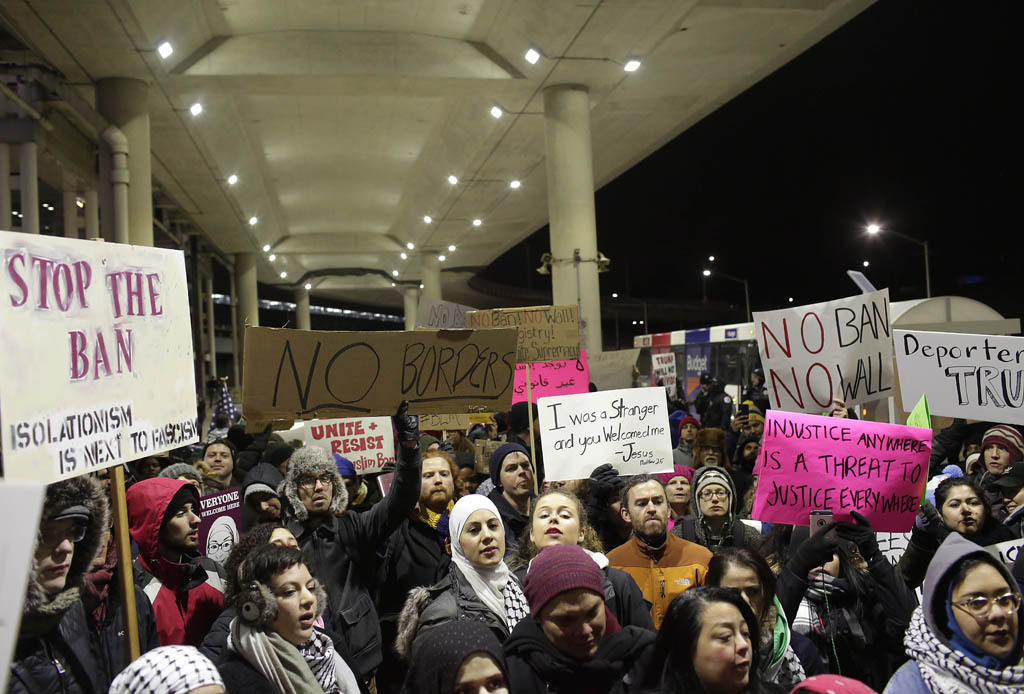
431	518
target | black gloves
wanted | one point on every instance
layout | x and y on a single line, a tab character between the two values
408	426
861	534
814	551
604	481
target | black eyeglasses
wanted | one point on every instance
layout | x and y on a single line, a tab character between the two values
309	481
54	535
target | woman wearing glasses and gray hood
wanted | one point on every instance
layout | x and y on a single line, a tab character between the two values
965	636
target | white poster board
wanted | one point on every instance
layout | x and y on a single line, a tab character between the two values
837	349
20	507
628	428
893	545
434	314
969	376
97	366
368	442
1007	551
612	370
664	365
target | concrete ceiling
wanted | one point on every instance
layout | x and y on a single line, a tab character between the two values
344	119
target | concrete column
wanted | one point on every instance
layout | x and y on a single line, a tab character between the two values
302	309
29	166
6	217
70	214
210	332
246	265
236	346
411	297
123	102
92	215
570	174
430	271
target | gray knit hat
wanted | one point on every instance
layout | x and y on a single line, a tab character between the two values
707	476
315	461
185	470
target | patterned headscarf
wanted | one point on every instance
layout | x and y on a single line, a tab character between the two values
167	670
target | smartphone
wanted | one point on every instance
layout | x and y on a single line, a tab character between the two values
819	519
743	410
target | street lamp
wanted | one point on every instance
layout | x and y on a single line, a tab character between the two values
874	228
746	290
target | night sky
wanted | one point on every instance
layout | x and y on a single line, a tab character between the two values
903	116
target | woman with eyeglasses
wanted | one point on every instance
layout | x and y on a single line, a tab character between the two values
965	636
716	523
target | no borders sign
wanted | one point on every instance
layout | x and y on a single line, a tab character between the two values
628	428
970	376
97	367
810	462
837	349
301	374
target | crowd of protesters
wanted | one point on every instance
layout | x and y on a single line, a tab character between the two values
478	575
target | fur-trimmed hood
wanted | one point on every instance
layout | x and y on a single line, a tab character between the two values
315	461
409	620
77	491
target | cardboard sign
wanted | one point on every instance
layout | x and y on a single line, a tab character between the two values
552	378
663	368
369	442
838	349
970	376
434	314
546	333
454	422
484	449
812	462
97	365
628	428
20	507
1007	552
220	520
612	370
299	374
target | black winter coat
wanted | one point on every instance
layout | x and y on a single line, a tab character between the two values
343	550
714	408
453	598
535	666
108	637
61	660
515	523
413	557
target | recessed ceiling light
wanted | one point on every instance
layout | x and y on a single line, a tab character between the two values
451	248
308	286
80	202
496	112
272	257
232	179
410	245
514	184
866	263
266	247
392	284
532	56
195	109
427	219
631	65
421	285
441	258
477	222
165	49
253	220
711	258
790	299
453	179
395	273
405	256
283	275
615	295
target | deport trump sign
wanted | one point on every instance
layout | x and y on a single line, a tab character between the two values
97	355
970	376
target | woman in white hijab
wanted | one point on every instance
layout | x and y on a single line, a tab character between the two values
478	586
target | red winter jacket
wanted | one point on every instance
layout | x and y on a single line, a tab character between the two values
187	598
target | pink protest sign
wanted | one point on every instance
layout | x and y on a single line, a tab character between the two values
552	378
811	462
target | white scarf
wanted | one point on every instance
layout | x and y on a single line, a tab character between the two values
488	582
946	670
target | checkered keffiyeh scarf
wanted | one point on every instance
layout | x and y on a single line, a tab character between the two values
318	653
946	670
516	607
167	670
